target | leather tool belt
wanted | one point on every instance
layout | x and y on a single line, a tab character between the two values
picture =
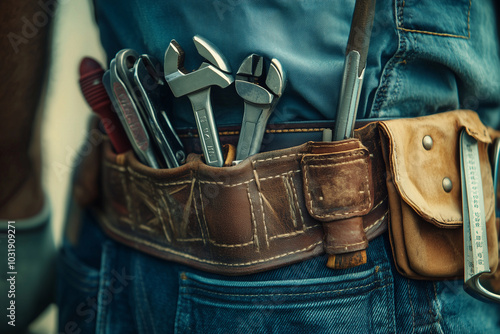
287	205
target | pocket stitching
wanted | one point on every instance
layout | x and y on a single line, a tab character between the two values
382	279
438	33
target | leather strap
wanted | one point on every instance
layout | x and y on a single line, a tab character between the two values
271	210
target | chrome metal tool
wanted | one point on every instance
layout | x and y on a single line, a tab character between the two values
261	93
129	116
152	91
476	259
354	68
196	85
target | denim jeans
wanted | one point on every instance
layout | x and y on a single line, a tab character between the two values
106	287
425	57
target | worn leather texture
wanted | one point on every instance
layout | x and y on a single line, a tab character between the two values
266	212
288	205
426	221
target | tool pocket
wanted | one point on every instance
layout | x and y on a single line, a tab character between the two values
272	209
447	18
231	220
424	186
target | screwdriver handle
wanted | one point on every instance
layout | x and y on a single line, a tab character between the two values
95	94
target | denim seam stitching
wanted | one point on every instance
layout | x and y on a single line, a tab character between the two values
437	309
376	272
437	33
136	296
102	310
411	305
381	93
289	294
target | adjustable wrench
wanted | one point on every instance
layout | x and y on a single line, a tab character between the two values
151	89
261	94
196	85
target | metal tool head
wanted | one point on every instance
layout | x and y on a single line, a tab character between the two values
213	72
125	60
261	93
256	87
152	89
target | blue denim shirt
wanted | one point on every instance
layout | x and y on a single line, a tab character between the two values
425	56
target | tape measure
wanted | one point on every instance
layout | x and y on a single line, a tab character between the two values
476	261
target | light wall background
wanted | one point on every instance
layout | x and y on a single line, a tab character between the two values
66	115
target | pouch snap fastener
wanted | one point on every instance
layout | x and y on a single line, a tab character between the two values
427	142
447	184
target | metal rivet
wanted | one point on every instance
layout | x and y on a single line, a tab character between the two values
447	184
427	142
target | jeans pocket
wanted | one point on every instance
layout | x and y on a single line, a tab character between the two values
449	18
349	303
77	291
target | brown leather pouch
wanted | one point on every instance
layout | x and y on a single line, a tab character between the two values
424	188
273	209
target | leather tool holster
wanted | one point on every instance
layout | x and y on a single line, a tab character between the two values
284	206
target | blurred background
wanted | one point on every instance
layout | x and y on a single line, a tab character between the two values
65	115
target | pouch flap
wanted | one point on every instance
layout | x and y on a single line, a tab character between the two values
337	185
420	166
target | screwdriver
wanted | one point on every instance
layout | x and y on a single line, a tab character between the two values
354	68
354	71
93	90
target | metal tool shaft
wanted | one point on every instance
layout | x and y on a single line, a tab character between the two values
207	129
354	68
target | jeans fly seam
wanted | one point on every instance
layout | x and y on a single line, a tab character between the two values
102	309
144	301
411	306
381	93
438	305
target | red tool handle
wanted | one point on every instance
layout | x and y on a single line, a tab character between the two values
95	94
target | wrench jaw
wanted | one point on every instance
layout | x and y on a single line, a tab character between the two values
261	94
196	85
211	53
182	82
276	78
173	62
